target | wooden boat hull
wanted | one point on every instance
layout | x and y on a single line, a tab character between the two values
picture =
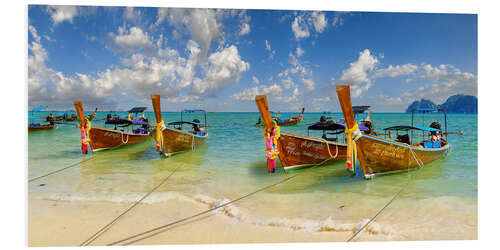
298	151
41	127
176	141
104	138
291	122
382	156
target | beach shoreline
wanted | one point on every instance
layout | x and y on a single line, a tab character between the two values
70	223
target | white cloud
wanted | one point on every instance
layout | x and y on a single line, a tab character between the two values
255	80
224	66
357	74
131	40
446	81
300	52
299	28
162	14
319	21
249	94
268	48
337	19
287	83
245	29
34	33
202	24
131	13
61	13
393	71
309	83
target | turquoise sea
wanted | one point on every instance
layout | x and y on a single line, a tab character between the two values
439	203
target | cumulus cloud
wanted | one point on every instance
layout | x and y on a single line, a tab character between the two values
249	94
299	28
245	29
224	66
357	74
446	80
309	83
287	83
131	40
394	71
319	21
201	23
61	13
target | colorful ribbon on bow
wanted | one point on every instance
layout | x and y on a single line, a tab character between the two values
85	136
159	136
272	146
352	135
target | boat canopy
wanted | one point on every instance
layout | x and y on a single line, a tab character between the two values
183	122
406	128
332	126
38	108
136	110
125	122
359	109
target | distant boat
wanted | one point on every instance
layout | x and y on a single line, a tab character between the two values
107	138
37	126
174	137
381	156
284	121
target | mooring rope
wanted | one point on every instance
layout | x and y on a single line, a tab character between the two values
59	170
155	230
421	165
111	223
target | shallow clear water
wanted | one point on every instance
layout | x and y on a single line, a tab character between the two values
441	197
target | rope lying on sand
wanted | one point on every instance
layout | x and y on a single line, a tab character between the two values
154	231
110	224
59	170
421	165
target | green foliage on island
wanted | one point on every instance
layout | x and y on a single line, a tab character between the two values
457	104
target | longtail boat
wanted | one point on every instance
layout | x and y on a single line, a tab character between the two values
37	126
299	151
172	138
284	121
380	155
92	116
100	138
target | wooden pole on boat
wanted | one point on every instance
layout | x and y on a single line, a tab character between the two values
79	111
261	101
156	107
344	95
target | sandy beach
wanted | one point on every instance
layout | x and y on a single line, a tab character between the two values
69	223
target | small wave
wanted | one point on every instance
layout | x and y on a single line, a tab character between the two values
328	225
235	213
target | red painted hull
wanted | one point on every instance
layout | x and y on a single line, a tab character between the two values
298	151
104	138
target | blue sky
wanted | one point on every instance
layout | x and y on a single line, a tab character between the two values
219	59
